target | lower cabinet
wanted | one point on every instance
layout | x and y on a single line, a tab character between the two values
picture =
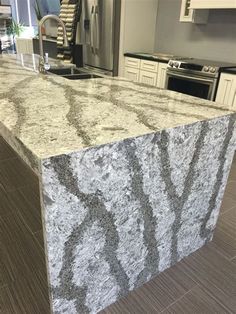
132	74
226	93
149	78
145	71
161	76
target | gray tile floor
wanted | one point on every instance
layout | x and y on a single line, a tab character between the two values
203	283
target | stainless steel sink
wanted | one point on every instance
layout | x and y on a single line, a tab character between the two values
82	76
65	71
72	73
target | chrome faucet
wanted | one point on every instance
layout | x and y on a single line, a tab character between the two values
66	43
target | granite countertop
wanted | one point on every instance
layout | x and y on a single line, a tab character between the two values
46	115
230	71
145	56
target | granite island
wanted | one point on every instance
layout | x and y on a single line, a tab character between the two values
131	176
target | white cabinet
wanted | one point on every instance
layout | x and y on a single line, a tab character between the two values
213	4
132	62
150	66
132	74
149	78
146	71
226	93
161	76
194	16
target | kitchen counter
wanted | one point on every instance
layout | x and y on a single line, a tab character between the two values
41	111
131	176
145	56
230	70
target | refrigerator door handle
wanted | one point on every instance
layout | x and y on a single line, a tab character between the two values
92	29
97	31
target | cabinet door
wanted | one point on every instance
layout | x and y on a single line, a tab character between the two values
225	89
132	62
132	74
232	95
186	14
149	78
161	75
150	66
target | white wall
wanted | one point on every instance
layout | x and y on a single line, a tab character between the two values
138	27
215	40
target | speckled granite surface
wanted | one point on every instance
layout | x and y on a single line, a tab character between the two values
49	115
132	177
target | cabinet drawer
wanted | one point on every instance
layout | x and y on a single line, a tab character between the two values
132	74
148	78
132	62
149	66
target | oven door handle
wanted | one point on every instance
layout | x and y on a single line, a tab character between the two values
191	78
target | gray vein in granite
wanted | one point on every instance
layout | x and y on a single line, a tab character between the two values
70	92
11	95
146	210
117	88
72	115
177	202
205	105
206	233
97	212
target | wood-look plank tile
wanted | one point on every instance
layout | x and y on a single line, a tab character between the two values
210	269
232	175
27	204
227	203
6	152
231	189
15	174
155	295
6	206
21	253
39	237
198	300
31	194
225	234
24	296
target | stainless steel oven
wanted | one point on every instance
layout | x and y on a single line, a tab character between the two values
194	85
193	77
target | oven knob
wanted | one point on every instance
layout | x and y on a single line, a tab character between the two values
212	70
206	69
171	63
176	64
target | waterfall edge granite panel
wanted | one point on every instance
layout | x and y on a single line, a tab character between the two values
118	214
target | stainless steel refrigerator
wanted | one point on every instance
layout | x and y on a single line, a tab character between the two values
98	31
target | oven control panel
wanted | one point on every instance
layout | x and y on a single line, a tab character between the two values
177	64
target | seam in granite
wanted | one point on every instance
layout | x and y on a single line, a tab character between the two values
177	202
96	212
151	265
205	232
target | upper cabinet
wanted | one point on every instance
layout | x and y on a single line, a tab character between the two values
187	14
212	4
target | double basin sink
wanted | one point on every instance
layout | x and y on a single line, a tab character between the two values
72	73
